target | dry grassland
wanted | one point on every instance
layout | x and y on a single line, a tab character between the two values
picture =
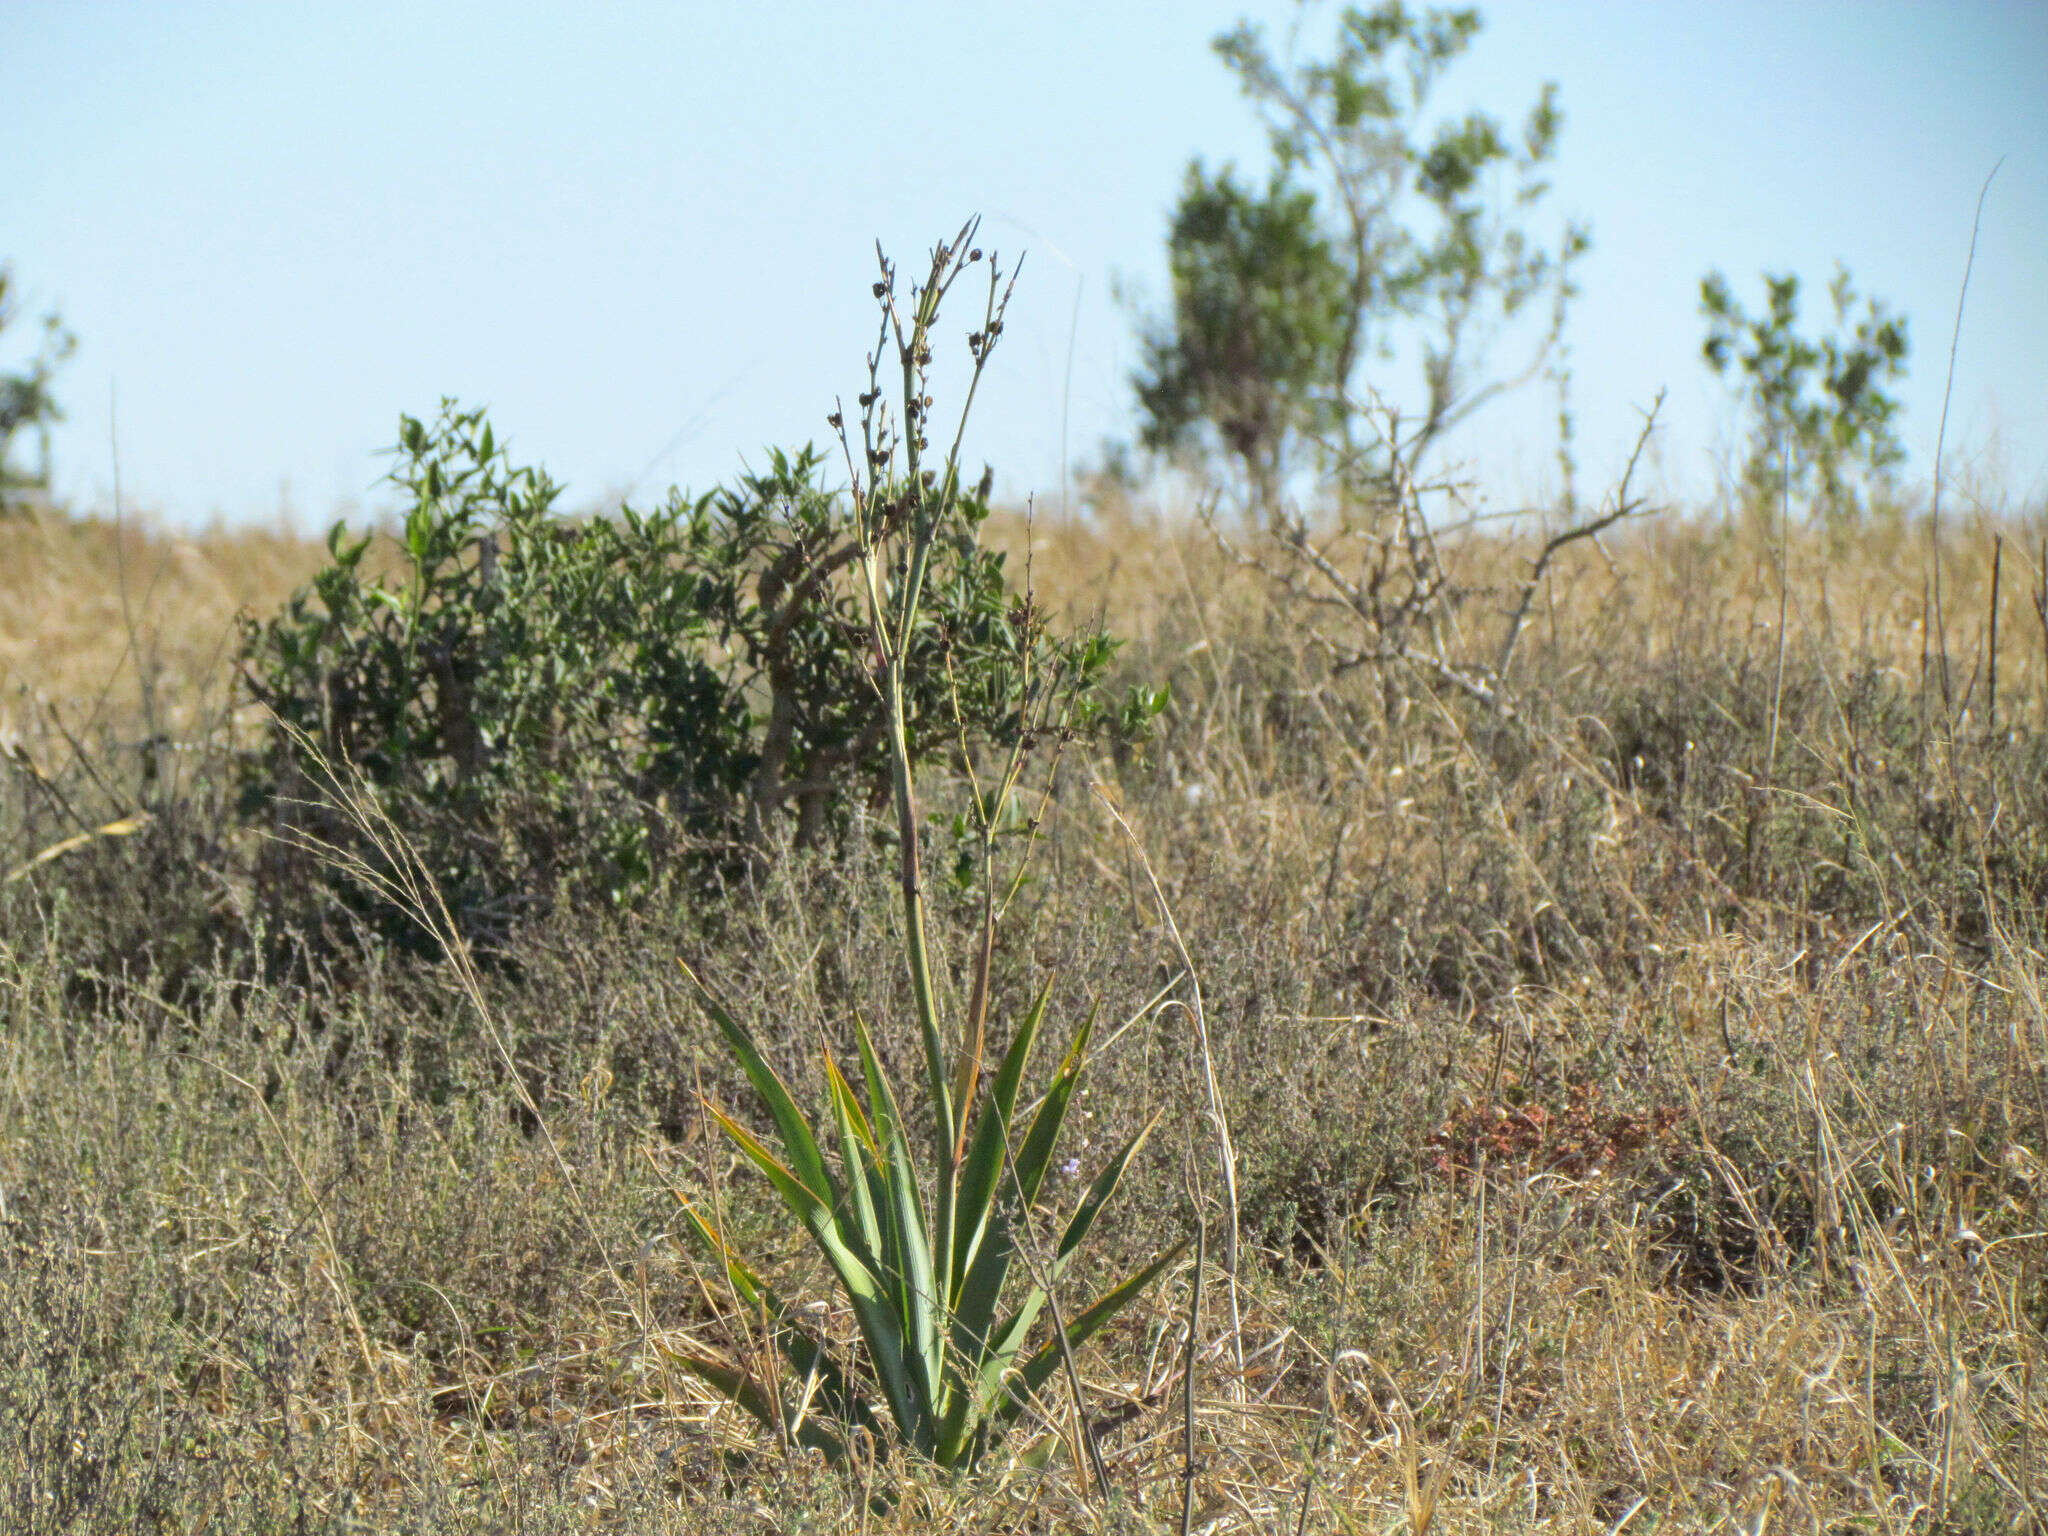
1641	1108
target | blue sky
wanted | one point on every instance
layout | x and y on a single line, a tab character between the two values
643	233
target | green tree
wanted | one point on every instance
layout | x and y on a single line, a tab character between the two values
26	402
1260	301
1820	414
1377	230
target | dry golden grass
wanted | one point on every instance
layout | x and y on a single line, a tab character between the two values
1625	1147
95	616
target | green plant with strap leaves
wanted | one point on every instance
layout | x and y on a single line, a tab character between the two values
936	1255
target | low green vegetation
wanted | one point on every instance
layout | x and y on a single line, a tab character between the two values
923	1253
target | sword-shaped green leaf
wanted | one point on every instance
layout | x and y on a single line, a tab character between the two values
911	1275
872	1303
1035	1371
982	1250
740	1386
981	1173
804	1350
981	1287
799	1146
999	1356
1035	1155
862	1156
1005	1341
1101	1189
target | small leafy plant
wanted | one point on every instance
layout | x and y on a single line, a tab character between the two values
922	1252
519	693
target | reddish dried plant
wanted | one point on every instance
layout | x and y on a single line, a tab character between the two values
1576	1138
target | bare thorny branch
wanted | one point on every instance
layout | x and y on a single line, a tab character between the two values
1401	599
1623	505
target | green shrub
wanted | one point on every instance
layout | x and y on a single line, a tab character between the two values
539	701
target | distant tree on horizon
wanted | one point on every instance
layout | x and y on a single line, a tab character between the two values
1820	417
26	402
1375	232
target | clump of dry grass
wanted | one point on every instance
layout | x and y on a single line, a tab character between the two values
95	616
1638	1128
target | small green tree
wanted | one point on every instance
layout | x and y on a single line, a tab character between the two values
26	402
1820	415
1260	302
1375	231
